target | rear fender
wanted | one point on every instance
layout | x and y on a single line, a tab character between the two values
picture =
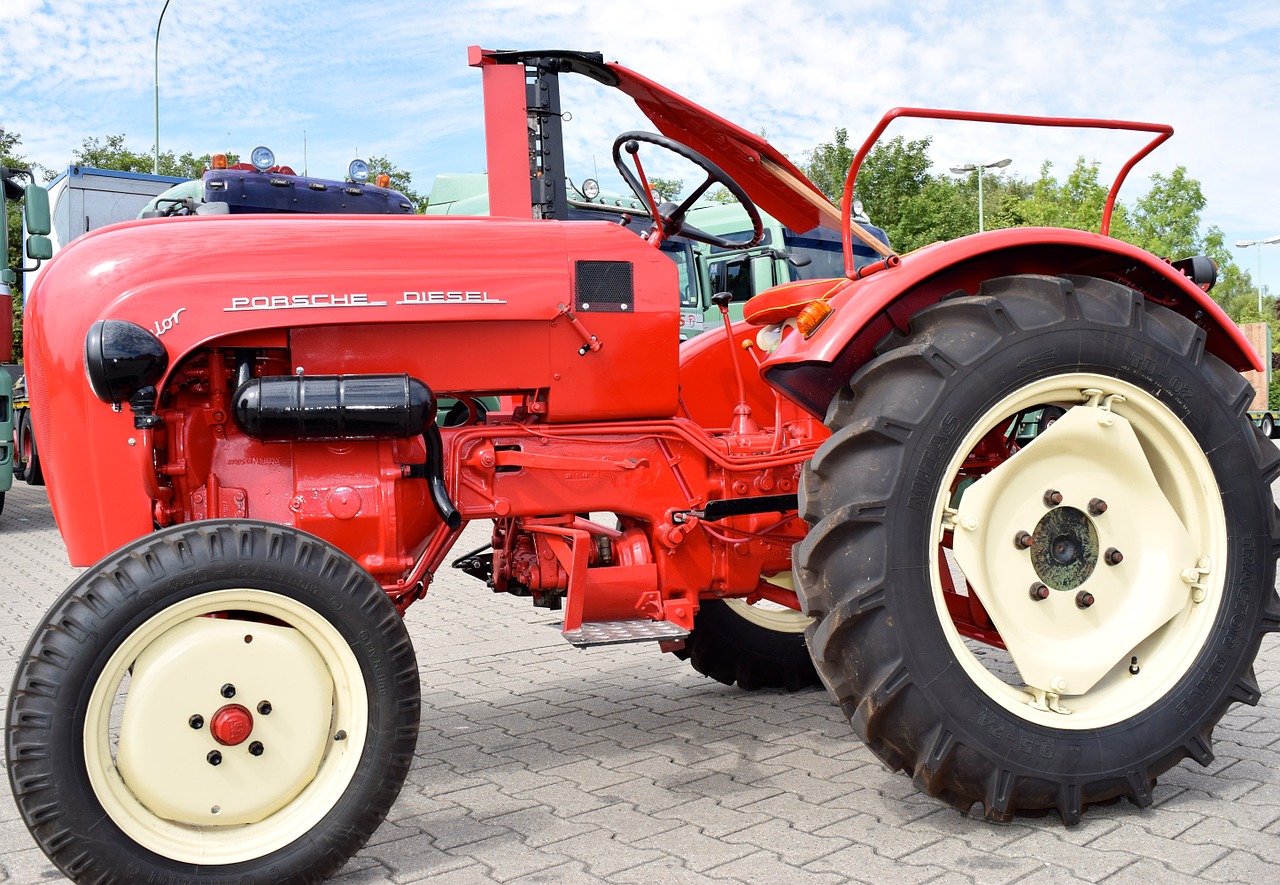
811	371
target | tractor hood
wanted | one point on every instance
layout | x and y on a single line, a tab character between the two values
773	182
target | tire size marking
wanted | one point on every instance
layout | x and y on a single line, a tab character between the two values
936	453
1020	739
1208	680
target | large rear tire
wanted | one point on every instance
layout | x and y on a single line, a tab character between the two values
920	576
221	701
754	646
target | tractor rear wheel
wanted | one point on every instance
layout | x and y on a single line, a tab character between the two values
27	452
221	701
1053	626
755	646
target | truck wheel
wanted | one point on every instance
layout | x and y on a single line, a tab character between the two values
1075	663
756	646
31	470
1268	427
220	701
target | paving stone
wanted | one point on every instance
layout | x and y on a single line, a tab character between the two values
537	763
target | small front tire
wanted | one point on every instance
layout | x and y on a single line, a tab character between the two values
220	701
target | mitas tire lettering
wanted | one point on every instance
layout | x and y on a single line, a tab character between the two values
878	494
316	608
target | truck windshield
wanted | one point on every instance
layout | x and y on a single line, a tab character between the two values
681	252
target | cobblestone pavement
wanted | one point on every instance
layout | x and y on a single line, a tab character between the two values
539	763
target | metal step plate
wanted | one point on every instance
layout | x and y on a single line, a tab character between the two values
619	632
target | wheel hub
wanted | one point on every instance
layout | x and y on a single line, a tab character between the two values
1064	548
231	725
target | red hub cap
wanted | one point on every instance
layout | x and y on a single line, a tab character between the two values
231	725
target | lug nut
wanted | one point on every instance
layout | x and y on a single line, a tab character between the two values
1113	556
1022	540
214	757
255	748
196	721
265	708
1052	498
1097	507
1084	599
1039	592
228	690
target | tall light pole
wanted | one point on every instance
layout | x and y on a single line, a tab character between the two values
980	168
1245	244
156	165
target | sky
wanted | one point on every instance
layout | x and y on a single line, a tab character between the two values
324	81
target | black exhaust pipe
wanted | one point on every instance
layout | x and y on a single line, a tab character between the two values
335	408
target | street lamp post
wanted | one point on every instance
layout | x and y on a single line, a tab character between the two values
980	168
1245	244
156	165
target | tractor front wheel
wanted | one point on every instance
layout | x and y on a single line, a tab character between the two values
1044	626
221	701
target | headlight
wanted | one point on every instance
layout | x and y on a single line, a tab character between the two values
590	189
121	358
358	171
262	158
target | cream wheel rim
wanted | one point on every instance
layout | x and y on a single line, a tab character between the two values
1094	638
182	680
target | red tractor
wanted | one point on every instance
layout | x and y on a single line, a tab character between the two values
843	487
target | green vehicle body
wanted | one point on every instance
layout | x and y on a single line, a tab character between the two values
6	435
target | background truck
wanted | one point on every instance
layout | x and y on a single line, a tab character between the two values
1263	412
1022	623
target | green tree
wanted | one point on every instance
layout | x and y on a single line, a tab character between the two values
114	154
667	188
401	181
10	158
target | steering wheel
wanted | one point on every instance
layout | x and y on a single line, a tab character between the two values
669	218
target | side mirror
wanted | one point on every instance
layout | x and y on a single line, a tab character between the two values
39	247
35	210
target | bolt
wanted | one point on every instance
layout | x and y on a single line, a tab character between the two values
214	757
228	690
255	748
196	721
1022	540
1113	556
1097	506
1058	684
340	736
265	708
1039	592
1084	599
1052	498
